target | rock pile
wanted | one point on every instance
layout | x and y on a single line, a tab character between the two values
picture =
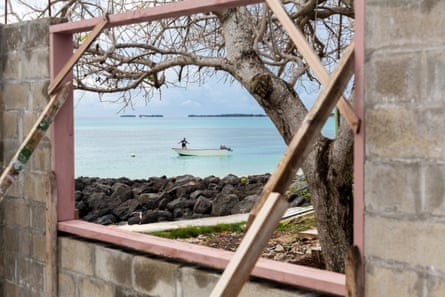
115	201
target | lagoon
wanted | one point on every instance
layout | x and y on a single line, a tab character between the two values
140	147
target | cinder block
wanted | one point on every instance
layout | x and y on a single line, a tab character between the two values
392	24
392	187
381	281
415	242
39	91
393	78
11	66
254	289
433	189
37	34
76	255
430	126
17	212
29	120
15	96
39	247
36	64
38	216
17	188
36	187
390	132
10	124
25	242
66	285
89	287
11	239
197	283
433	77
30	273
405	133
113	266
10	267
125	292
200	283
10	147
155	277
16	36
41	159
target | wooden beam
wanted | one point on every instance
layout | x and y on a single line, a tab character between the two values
24	152
353	273
310	128
280	272
167	10
57	81
240	266
313	60
51	282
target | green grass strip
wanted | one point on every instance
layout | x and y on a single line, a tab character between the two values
194	231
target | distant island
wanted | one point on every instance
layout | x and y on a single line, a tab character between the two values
151	115
225	115
142	116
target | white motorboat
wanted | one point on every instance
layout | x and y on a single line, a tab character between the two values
202	152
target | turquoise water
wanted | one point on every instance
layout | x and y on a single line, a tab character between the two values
141	147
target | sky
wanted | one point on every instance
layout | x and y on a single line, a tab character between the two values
213	97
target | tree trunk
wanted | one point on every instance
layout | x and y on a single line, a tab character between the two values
328	163
328	169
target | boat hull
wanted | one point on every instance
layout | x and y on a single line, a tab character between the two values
201	152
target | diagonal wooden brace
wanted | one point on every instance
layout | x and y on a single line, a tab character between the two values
11	172
238	270
313	61
308	131
57	81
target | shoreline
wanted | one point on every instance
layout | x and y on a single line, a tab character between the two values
111	201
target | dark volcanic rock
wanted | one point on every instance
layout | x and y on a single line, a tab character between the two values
113	201
245	205
202	205
125	209
150	200
223	204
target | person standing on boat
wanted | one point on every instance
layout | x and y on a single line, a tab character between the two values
184	143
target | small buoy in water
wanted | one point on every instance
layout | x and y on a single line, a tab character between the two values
133	155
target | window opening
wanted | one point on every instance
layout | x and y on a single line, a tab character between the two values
76	226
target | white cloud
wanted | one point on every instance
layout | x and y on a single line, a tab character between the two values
191	103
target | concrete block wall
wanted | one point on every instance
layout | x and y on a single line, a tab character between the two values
404	101
24	80
106	271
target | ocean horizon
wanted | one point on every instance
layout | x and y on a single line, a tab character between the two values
141	147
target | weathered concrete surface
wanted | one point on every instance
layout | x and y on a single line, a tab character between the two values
405	148
113	272
24	76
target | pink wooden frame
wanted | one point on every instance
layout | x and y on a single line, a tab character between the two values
63	158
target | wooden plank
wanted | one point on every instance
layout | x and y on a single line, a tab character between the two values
238	270
51	237
310	128
313	60
11	172
353	273
57	81
167	10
